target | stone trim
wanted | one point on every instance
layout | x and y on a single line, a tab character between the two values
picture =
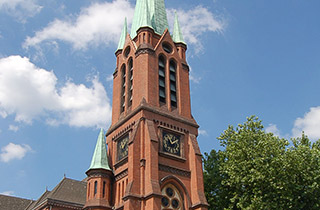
185	66
153	110
170	127
199	205
123	131
122	174
121	162
175	170
144	51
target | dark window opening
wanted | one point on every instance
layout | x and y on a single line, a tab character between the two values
123	88
127	51
104	189
130	89
173	85
162	77
95	187
167	47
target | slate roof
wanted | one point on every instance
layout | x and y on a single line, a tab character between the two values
68	192
13	203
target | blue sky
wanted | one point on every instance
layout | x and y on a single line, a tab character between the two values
57	58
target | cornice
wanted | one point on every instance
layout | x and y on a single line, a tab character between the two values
145	107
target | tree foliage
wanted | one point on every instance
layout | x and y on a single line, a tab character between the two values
258	170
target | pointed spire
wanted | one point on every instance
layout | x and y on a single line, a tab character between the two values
150	13
159	17
177	35
100	159
141	17
123	35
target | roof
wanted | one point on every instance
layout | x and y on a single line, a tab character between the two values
177	35
100	158
151	13
68	192
13	203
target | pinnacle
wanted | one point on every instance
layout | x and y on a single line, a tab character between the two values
100	158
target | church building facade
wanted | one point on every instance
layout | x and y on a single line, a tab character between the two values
153	161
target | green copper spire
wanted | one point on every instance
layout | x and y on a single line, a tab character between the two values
150	13
177	35
159	16
123	35
100	159
141	17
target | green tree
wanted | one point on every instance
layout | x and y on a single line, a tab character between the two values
258	170
218	195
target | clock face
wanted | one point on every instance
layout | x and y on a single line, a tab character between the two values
171	143
123	147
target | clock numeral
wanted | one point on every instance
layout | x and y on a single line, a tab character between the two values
123	147
171	143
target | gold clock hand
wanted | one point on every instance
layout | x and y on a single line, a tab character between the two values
171	137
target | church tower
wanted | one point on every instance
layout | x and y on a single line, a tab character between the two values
152	141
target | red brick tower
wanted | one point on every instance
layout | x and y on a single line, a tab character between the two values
152	141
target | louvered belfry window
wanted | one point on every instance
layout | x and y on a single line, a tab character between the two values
173	86
123	88
162	79
130	87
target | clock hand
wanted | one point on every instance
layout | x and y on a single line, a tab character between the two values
175	141
170	139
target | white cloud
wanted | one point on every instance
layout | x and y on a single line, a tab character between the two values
195	23
101	23
109	78
14	151
13	128
309	123
195	79
20	9
202	132
30	92
272	128
9	193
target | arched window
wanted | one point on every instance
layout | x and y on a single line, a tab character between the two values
104	189
171	198
162	79
173	86
130	87
95	187
123	88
